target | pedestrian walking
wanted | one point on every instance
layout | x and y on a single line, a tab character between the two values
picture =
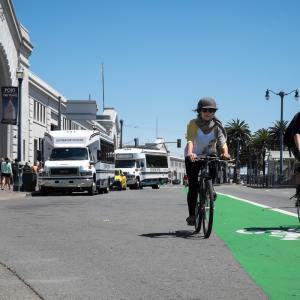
34	168
1	161
6	172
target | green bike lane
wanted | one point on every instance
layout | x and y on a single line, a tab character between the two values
265	242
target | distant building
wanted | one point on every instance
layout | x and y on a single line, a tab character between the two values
177	168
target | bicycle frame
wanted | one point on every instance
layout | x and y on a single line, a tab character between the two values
204	209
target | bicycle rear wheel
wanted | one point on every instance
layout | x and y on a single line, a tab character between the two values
298	207
208	209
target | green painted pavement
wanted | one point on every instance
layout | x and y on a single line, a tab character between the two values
266	244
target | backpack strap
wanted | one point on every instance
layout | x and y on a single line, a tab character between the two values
220	125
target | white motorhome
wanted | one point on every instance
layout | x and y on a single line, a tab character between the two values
77	160
143	166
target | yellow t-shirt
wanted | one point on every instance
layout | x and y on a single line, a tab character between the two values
204	143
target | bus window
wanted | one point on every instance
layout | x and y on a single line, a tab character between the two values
156	161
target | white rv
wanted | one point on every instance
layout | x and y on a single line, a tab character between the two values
143	166
77	160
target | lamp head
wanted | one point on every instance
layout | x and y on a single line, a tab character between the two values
20	73
267	95
296	95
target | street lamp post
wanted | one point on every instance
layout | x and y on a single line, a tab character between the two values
237	165
121	135
282	94
20	76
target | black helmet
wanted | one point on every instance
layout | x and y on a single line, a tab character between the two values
206	102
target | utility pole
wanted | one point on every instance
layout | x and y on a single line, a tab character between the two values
102	76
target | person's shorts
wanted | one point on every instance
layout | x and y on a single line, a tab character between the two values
5	174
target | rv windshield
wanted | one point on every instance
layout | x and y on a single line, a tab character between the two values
124	163
69	154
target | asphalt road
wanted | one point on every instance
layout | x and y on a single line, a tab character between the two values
131	244
275	198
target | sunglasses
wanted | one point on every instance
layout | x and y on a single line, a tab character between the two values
211	110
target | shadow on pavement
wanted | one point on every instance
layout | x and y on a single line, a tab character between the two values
185	234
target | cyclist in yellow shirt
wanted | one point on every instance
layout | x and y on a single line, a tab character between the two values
204	134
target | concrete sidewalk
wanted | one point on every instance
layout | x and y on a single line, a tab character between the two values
6	194
11	285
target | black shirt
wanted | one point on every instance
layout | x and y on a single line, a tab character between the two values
295	124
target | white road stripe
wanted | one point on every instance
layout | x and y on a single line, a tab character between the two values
261	205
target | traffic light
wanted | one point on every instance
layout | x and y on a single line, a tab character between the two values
178	143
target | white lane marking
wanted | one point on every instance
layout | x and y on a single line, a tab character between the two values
284	235
261	205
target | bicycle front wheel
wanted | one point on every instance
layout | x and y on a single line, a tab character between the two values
208	209
198	214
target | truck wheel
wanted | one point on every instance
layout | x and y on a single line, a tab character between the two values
155	187
106	189
43	191
138	184
92	189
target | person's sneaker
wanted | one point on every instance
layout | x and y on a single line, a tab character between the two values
214	195
298	190
190	220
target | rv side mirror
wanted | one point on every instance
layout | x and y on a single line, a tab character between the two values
178	143
39	155
98	155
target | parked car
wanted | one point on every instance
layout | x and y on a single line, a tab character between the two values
120	181
176	181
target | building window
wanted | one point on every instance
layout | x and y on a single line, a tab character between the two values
39	112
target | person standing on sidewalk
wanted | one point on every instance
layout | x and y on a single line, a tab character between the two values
6	173
1	161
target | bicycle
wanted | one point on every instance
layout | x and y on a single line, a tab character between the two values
204	209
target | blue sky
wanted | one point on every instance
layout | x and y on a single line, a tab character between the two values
161	56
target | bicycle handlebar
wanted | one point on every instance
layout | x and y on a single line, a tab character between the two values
203	157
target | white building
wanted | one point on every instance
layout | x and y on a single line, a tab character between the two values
177	168
40	102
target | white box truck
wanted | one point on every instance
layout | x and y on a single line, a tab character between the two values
76	160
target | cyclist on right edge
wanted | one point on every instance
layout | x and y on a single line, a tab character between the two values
203	134
292	140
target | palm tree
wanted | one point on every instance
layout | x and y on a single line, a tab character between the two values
260	142
237	132
275	133
261	138
238	137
